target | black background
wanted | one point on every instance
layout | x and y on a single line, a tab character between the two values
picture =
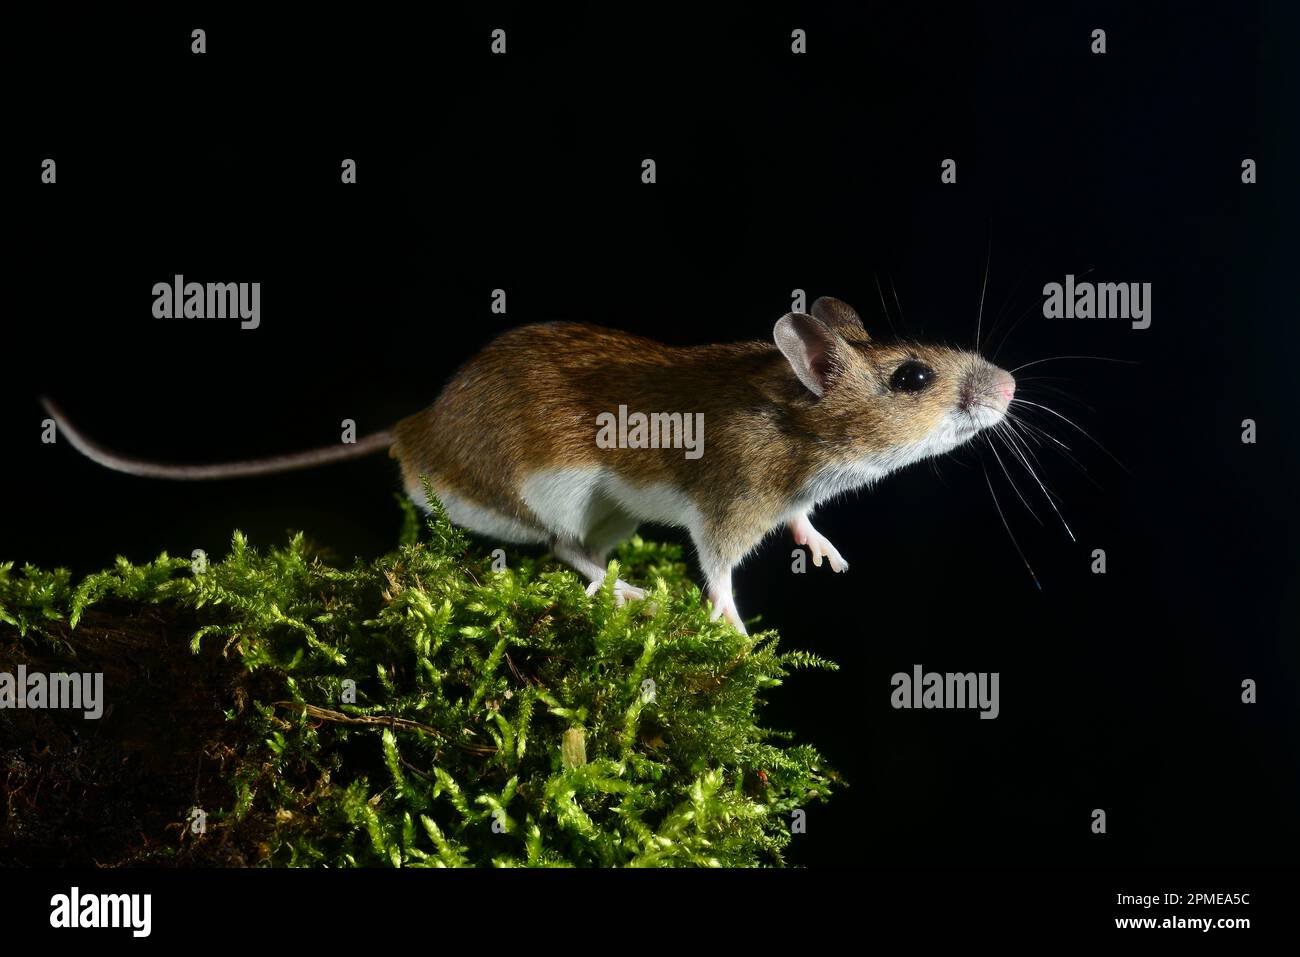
1118	691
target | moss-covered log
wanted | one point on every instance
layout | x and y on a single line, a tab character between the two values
428	708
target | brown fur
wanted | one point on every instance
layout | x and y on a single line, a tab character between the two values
530	399
786	424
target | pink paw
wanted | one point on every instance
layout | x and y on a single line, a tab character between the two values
818	544
623	592
724	606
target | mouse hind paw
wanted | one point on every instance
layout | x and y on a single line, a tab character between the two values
623	592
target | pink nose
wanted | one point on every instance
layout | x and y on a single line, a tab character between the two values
1006	389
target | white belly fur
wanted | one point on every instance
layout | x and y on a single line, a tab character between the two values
573	502
485	521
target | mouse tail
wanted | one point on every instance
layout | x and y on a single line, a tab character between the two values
370	444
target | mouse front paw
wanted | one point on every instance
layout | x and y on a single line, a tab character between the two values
818	545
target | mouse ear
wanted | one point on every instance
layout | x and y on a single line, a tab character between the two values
839	315
808	344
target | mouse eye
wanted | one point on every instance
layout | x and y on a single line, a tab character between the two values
911	376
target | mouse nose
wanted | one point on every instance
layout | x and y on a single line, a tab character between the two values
990	387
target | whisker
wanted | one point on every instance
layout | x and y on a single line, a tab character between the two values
1055	390
1017	426
979	319
1007	526
1000	318
1003	432
898	304
934	464
1051	497
1012	328
1129	362
888	319
1035	428
1023	442
1016	324
1012	482
1073	424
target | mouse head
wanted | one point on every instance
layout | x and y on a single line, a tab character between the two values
895	402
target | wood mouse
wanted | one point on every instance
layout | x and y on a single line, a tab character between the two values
510	445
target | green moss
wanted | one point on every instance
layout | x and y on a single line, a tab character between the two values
427	709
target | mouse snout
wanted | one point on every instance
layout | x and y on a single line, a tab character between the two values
987	393
1004	388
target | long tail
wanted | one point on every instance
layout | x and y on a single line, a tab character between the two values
369	445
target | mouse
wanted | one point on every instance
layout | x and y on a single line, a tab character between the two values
510	446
